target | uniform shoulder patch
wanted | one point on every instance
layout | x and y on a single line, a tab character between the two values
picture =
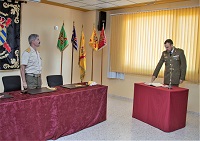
28	50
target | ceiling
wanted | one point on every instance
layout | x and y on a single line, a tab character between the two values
98	4
103	5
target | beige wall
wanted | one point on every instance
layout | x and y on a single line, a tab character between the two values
41	19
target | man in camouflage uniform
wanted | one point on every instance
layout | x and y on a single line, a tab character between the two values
175	65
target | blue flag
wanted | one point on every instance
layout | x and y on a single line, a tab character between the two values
74	39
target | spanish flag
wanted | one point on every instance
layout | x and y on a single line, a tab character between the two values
82	57
94	40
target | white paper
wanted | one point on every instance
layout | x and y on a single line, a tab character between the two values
155	84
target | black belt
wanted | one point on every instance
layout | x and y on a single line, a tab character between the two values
34	75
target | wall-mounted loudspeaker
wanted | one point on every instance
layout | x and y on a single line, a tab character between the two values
102	20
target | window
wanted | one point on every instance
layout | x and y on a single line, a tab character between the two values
137	40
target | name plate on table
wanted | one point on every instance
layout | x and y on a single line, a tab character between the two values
74	86
4	95
40	90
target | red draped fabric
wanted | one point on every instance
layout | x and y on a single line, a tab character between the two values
51	115
160	107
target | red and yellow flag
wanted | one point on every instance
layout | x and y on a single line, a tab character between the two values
102	39
94	40
82	57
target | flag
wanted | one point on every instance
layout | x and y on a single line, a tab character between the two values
82	57
62	39
94	40
74	39
102	39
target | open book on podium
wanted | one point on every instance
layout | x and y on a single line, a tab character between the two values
155	84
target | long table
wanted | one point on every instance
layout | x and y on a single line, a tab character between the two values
51	115
160	107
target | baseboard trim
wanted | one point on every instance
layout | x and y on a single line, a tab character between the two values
120	97
195	113
131	100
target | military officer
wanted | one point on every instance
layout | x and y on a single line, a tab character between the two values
175	65
31	64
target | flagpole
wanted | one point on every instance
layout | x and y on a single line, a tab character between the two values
62	44
81	39
102	52
92	60
72	59
101	65
80	46
72	64
92	65
61	62
61	57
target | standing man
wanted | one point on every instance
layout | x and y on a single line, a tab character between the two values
175	65
31	64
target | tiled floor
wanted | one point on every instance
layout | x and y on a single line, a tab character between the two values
121	126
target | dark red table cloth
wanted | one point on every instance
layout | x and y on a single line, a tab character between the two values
160	107
51	115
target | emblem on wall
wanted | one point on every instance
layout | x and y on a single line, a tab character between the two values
9	35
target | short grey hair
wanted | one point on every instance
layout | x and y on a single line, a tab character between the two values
32	37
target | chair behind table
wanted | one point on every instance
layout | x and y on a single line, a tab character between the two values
54	80
11	83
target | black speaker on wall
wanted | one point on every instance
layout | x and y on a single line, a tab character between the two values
102	20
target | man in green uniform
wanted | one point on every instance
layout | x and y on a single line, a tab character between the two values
175	65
